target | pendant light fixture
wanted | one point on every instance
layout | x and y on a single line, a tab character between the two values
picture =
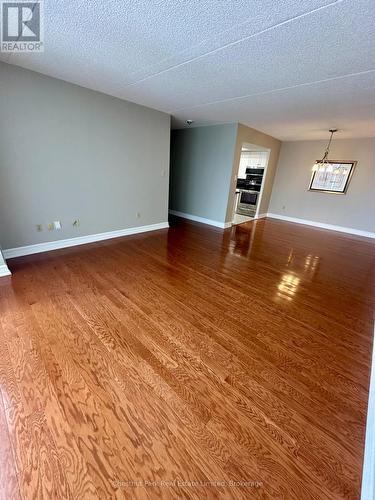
323	165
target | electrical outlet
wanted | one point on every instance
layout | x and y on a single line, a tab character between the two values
138	214
57	225
76	223
283	207
39	227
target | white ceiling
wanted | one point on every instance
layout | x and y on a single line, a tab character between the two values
291	68
247	147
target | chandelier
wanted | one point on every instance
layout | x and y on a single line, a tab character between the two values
324	164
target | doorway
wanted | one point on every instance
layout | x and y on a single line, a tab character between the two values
251	177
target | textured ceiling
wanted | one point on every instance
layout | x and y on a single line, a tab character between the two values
291	68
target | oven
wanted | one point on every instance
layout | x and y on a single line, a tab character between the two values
247	203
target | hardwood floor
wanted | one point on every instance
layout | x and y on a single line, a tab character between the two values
189	354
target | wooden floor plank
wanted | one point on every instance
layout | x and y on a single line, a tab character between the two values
187	362
8	473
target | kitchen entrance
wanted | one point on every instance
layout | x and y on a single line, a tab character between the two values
252	171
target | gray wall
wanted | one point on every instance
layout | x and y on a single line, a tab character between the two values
355	210
201	169
67	152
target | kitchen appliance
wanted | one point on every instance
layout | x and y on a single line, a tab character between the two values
247	202
249	191
254	171
254	178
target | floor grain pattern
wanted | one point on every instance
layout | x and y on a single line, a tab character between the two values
177	363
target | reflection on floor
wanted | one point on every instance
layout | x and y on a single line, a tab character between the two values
240	219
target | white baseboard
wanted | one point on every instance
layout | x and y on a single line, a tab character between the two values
80	240
368	471
4	271
210	222
261	216
322	225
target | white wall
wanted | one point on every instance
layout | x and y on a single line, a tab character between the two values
69	153
290	196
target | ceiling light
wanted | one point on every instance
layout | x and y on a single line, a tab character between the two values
323	165
189	122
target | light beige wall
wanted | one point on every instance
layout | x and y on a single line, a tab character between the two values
290	195
252	136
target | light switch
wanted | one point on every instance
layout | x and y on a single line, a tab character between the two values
57	224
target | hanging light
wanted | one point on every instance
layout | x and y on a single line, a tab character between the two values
323	165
